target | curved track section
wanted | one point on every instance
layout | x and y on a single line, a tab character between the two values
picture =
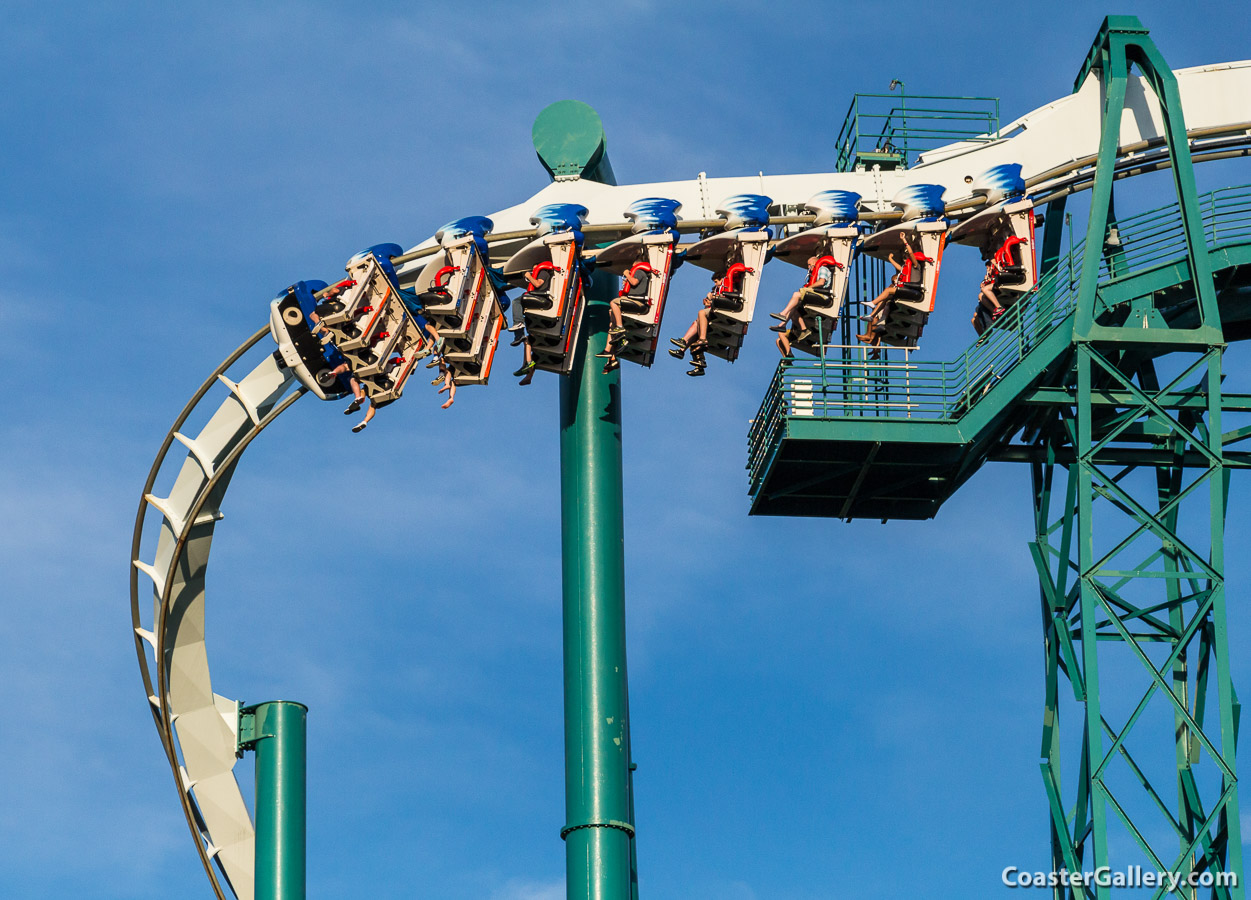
1054	144
197	727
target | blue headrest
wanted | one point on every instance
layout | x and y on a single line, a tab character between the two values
303	291
478	226
834	206
1000	182
475	225
653	214
920	201
560	217
382	253
745	210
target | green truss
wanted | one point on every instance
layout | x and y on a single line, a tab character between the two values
1133	591
1107	380
1122	572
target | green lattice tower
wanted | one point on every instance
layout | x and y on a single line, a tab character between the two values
1130	544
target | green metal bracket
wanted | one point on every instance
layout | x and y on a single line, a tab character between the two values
245	733
1096	58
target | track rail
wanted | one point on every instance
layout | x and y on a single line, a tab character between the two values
193	723
1141	158
1056	145
197	727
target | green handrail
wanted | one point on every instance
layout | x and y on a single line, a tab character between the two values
908	126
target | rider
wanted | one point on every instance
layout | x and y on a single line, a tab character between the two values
538	284
986	297
696	337
358	393
787	333
319	292
632	298
449	383
539	281
327	295
818	287
881	304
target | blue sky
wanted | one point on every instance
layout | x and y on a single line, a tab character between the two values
810	720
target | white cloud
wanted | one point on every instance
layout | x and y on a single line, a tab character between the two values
522	889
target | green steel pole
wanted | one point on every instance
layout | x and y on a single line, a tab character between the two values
277	733
599	827
598	831
1053	237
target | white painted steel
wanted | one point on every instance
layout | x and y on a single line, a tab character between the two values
197	726
1052	141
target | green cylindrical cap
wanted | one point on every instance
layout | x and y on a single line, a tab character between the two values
569	139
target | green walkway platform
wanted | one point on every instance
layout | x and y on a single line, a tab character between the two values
893	439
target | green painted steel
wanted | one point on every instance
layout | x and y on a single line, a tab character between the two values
1130	589
1107	380
600	858
971	403
598	829
892	130
1123	41
1053	236
1141	585
276	732
569	139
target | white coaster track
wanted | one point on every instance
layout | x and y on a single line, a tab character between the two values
1055	145
199	728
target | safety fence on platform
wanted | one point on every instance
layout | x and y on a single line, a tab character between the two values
893	130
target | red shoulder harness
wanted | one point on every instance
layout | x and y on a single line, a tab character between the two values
735	271
1003	256
817	266
634	270
906	273
444	275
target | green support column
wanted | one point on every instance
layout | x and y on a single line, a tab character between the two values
276	732
1132	583
599	828
1053	236
1089	616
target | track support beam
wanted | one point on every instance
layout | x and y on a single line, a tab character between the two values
599	803
276	732
1130	557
